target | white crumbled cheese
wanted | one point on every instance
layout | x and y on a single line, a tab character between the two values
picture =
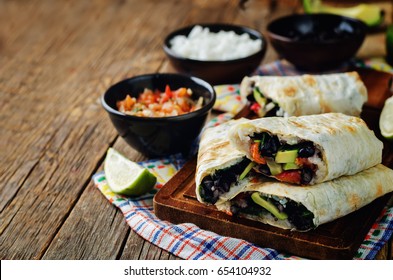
281	113
201	44
289	139
322	168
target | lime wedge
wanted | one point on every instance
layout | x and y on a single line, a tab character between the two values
386	119
127	177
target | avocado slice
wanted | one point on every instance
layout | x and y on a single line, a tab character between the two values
290	166
246	170
370	14
275	168
268	206
259	97
286	156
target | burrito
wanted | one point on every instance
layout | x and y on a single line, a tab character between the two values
219	166
307	150
304	208
304	95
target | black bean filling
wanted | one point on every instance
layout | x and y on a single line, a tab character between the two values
246	205
263	169
270	145
213	186
298	215
306	175
272	112
306	149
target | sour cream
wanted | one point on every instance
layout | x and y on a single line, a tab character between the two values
201	44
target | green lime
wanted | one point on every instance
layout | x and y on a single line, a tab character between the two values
386	119
389	44
125	176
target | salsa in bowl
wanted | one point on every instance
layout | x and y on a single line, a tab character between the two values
155	103
156	136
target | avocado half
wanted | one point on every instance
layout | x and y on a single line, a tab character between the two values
370	14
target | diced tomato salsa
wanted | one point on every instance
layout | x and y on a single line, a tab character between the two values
155	103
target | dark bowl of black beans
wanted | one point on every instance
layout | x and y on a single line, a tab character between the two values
316	42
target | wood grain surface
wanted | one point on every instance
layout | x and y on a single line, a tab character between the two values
56	60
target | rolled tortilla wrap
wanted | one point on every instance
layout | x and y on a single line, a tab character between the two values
308	149
305	95
308	207
219	165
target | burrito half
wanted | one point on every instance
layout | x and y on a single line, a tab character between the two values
219	165
308	150
304	95
304	208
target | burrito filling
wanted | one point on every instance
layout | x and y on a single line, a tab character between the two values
281	208
291	163
220	182
261	105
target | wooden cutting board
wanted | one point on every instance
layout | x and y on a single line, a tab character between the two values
176	201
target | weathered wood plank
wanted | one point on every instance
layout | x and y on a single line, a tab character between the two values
94	230
57	58
133	247
78	251
72	57
54	175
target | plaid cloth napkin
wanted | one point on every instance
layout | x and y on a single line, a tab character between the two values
377	63
188	241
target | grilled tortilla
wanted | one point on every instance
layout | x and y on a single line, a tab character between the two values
219	165
308	150
304	95
305	208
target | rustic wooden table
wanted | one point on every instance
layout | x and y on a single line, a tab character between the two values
56	60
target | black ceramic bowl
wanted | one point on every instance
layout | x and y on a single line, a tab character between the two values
316	42
217	72
156	137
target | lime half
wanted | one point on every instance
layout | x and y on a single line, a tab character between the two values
386	119
127	177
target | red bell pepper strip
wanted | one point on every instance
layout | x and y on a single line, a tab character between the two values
256	156
290	176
